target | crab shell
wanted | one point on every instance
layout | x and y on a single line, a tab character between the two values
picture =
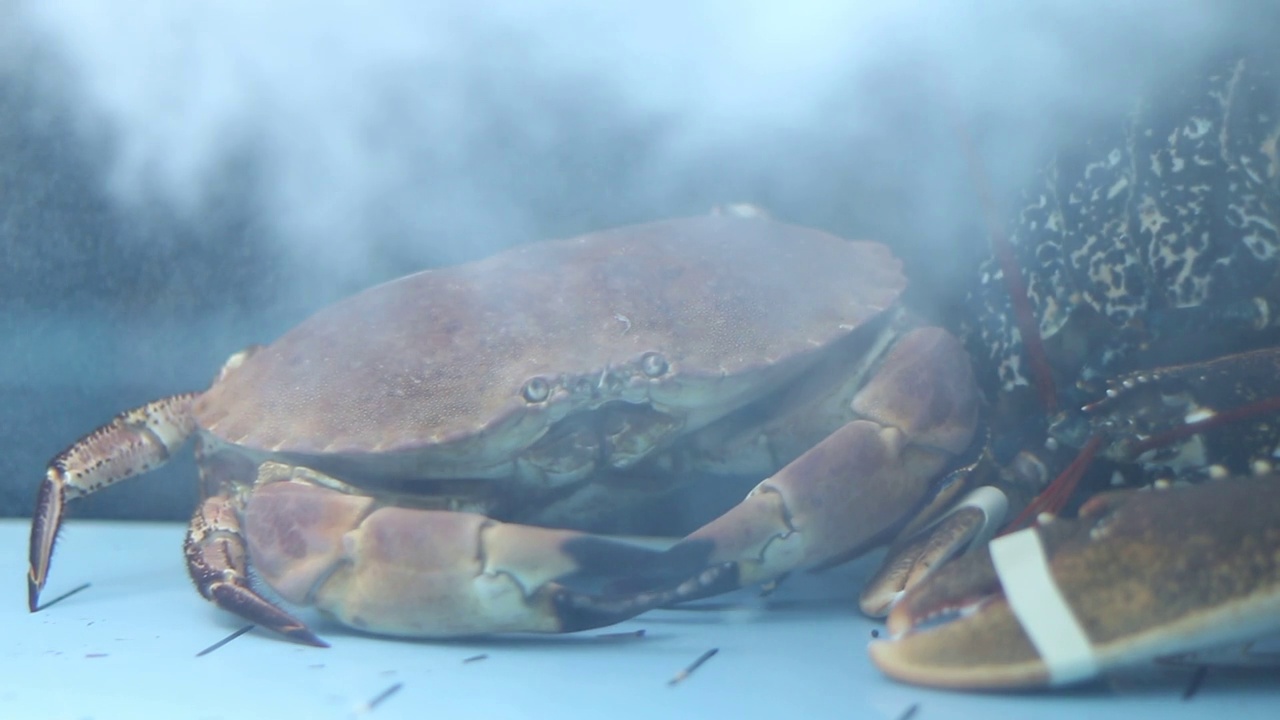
457	372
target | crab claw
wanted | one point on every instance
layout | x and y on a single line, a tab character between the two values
1139	576
853	489
430	573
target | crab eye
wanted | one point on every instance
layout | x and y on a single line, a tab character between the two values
536	389
653	364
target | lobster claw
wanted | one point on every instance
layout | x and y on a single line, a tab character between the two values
1140	575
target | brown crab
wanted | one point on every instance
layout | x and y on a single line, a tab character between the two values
422	459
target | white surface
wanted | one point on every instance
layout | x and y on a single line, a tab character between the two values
125	648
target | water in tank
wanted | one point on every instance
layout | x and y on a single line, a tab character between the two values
837	359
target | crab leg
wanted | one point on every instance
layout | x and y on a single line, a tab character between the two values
1140	575
134	442
218	563
857	486
422	573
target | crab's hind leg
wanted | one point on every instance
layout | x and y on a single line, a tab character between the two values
134	442
218	563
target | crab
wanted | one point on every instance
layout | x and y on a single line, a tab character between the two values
1150	258
442	455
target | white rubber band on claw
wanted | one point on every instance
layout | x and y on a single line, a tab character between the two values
1038	604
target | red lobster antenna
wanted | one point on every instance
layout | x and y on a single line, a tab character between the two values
1037	358
1055	496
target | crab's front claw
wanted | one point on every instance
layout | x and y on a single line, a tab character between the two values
855	488
426	573
1139	576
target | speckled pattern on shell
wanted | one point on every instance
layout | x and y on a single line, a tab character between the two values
442	356
1176	208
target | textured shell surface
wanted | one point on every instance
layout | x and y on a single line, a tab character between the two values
1158	229
443	357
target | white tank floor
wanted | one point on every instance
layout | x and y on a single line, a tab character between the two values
126	648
